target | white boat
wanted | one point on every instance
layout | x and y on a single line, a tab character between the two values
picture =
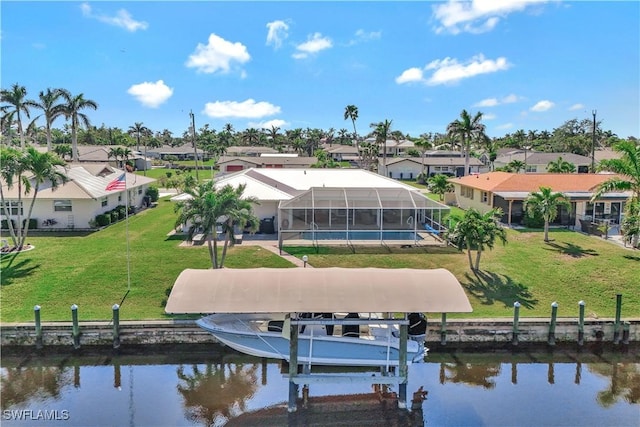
374	342
245	301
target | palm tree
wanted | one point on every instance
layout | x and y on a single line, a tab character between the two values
343	135
43	168
16	106
239	215
477	231
560	166
439	184
72	111
29	169
628	168
63	150
424	143
207	207
351	112
467	129
138	130
546	203
515	166
51	109
381	132
251	136
9	168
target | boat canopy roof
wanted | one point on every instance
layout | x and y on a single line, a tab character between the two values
316	290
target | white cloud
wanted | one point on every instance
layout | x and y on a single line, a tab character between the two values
151	94
493	102
364	36
279	123
543	105
278	31
477	16
410	75
489	102
218	55
575	107
505	126
245	109
314	44
449	70
489	116
122	19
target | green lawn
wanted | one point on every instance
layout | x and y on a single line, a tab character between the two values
91	270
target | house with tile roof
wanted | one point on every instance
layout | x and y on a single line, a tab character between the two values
508	191
238	163
75	204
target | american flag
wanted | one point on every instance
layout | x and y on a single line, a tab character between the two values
120	183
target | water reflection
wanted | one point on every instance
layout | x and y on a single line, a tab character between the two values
194	389
18	385
216	392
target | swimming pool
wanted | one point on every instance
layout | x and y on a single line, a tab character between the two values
361	235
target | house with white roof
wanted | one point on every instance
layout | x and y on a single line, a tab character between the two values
75	204
336	202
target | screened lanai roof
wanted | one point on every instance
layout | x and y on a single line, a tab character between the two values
361	198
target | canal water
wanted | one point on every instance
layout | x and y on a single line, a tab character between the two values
212	387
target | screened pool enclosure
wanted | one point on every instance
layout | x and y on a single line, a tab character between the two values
348	214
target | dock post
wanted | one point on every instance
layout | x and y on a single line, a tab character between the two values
293	367
403	370
116	325
516	319
552	325
616	325
443	330
76	327
36	312
581	323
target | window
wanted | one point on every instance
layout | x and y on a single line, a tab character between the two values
139	190
485	197
104	202
62	205
531	169
13	208
467	192
119	198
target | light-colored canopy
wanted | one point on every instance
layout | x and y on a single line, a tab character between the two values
317	290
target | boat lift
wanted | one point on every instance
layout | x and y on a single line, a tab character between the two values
323	290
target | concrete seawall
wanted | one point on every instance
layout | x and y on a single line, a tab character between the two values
458	332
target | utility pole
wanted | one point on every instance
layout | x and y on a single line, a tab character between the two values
193	142
593	144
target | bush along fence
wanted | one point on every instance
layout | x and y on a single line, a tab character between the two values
440	334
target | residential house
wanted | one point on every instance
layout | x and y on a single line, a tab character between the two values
183	152
294	201
411	167
75	204
537	162
248	151
235	164
508	191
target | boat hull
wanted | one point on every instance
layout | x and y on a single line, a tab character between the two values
317	350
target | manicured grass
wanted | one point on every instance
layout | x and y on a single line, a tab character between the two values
91	270
570	268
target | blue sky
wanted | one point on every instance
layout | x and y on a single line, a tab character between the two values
528	65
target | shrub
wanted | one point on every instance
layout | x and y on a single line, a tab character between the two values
33	223
103	220
115	215
153	193
122	211
535	221
5	225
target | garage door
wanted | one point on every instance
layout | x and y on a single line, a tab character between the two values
234	168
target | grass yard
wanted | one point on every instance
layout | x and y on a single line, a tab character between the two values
91	270
572	267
